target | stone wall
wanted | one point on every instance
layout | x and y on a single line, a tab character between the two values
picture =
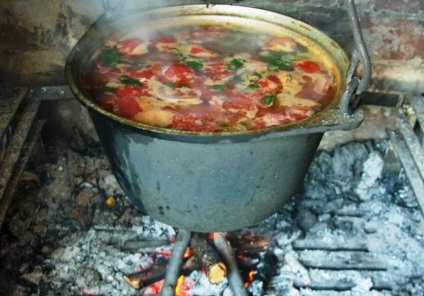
36	36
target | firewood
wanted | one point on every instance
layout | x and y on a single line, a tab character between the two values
146	277
216	270
248	243
134	245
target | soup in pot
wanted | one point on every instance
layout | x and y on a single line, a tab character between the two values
211	78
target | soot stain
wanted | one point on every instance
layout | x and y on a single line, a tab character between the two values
161	210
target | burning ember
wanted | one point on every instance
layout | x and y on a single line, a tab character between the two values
353	227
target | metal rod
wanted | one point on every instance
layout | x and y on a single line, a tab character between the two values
360	46
174	265
417	103
227	253
411	141
409	166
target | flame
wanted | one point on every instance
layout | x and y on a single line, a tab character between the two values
250	278
181	288
188	253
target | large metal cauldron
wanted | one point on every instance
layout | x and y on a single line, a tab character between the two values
212	182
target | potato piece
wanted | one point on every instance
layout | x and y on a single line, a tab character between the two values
282	44
155	117
288	101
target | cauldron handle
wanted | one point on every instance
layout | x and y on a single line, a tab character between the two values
355	85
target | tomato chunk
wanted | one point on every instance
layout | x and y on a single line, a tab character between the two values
271	84
128	106
163	43
179	74
130	46
125	91
308	66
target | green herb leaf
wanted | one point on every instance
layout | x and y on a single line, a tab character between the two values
257	74
107	89
218	87
268	99
170	84
235	64
180	55
277	60
246	123
280	65
197	65
181	84
110	56
138	64
253	86
272	55
224	125
127	81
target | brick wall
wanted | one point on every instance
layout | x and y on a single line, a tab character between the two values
37	35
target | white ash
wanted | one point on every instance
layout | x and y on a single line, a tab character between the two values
84	253
373	167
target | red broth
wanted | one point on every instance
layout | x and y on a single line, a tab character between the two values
211	79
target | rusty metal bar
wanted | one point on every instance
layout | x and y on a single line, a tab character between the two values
10	102
411	140
408	163
408	147
28	148
417	103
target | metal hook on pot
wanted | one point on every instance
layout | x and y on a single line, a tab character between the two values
356	85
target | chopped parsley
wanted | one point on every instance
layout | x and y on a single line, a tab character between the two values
107	89
268	99
128	81
277	60
133	63
110	56
253	86
197	65
235	64
218	87
170	84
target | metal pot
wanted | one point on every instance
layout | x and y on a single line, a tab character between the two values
210	182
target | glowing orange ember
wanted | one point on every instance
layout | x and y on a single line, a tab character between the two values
153	289
184	286
188	253
180	289
250	278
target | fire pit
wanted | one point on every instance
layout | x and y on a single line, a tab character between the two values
352	227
